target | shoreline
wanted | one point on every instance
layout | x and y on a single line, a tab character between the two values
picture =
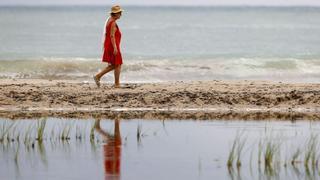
238	114
176	100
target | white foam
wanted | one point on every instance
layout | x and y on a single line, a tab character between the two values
158	70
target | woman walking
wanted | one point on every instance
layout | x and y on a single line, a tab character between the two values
112	54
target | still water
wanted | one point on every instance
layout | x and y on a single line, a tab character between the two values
156	149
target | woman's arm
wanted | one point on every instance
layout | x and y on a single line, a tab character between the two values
113	38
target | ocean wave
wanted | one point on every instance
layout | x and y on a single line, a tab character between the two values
154	70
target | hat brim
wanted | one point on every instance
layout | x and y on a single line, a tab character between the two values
114	12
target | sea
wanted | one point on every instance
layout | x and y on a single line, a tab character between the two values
161	44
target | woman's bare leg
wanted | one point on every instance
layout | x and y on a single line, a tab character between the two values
117	129
117	71
104	71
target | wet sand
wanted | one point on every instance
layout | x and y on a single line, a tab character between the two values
178	100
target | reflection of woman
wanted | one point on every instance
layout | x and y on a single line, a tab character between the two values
112	53
112	150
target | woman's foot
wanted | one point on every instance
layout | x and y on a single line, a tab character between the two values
116	86
97	81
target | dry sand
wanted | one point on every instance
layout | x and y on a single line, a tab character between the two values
187	100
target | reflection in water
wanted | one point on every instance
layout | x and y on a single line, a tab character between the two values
42	152
66	144
112	150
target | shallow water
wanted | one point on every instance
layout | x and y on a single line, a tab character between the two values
152	149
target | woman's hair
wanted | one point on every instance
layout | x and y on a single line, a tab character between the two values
114	14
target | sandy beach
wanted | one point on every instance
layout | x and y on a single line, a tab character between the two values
197	100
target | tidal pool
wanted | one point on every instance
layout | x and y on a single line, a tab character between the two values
54	148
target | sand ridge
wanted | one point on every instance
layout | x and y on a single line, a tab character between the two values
200	95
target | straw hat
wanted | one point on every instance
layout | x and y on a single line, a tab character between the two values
116	9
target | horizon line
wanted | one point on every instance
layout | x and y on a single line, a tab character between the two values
160	5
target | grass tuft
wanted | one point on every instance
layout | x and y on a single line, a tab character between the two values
231	155
295	156
40	129
311	152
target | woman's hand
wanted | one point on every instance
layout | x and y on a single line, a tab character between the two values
115	51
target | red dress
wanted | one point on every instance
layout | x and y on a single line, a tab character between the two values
112	159
108	55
